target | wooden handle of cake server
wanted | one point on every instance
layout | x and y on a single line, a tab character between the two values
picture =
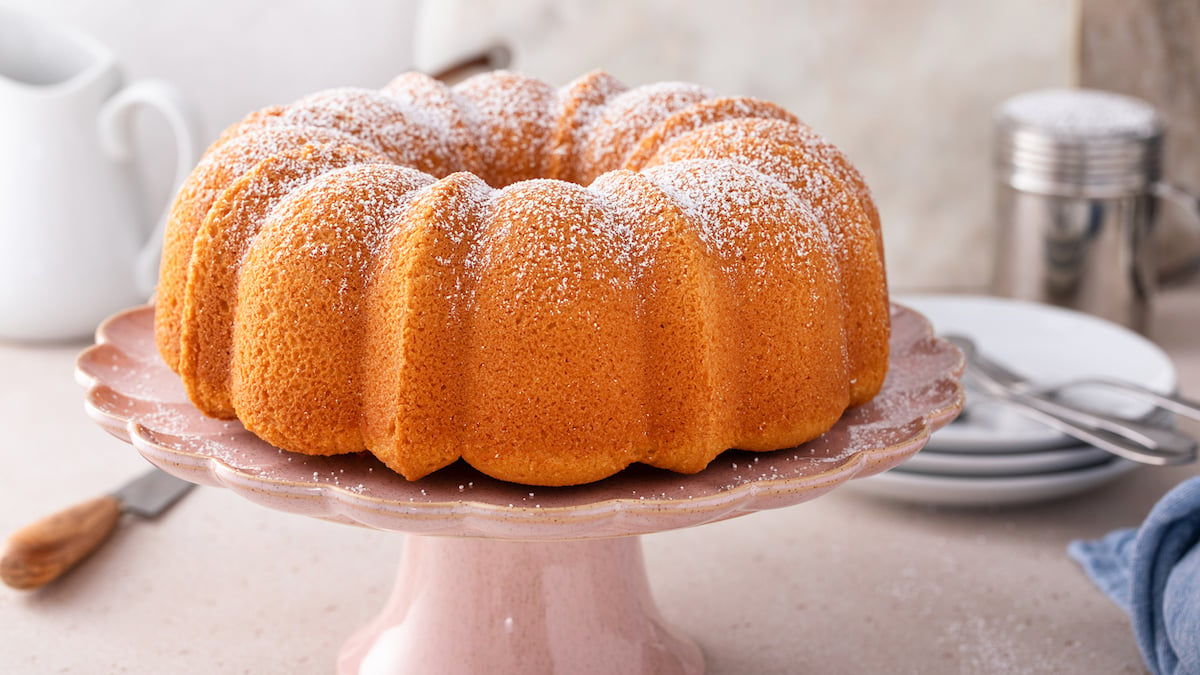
41	552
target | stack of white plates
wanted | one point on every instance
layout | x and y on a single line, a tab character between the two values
992	455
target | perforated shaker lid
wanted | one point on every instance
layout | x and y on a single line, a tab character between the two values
1078	142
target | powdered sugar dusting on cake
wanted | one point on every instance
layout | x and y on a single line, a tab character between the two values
221	249
587	97
383	123
577	106
343	215
629	117
463	224
233	159
272	181
801	137
836	161
703	114
460	202
222	166
515	113
418	90
739	212
632	207
442	110
554	231
802	170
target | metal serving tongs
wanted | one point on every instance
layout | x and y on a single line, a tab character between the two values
1130	439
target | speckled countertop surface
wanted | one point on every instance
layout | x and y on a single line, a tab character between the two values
842	584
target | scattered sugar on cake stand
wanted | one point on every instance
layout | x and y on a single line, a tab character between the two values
503	578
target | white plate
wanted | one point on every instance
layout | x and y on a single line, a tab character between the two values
1009	464
958	491
1049	345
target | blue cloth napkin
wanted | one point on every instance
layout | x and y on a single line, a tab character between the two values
1153	573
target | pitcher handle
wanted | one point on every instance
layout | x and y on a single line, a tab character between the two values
116	138
1190	203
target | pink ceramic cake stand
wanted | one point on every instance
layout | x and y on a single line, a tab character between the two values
504	578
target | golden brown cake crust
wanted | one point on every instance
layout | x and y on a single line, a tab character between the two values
550	284
225	236
232	156
856	244
298	325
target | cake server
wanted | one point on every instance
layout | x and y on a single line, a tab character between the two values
44	550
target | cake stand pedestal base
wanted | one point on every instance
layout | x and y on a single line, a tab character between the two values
492	606
500	579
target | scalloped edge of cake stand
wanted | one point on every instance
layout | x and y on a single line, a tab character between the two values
134	396
555	575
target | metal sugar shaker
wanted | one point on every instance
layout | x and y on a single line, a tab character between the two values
1078	175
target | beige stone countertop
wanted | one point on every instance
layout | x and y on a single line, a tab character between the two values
842	584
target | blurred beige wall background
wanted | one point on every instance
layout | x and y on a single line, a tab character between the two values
905	87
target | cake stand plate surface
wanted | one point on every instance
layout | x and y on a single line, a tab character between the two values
524	579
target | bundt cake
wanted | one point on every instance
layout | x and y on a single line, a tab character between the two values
550	284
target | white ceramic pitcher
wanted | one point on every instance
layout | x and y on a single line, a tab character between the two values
74	243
